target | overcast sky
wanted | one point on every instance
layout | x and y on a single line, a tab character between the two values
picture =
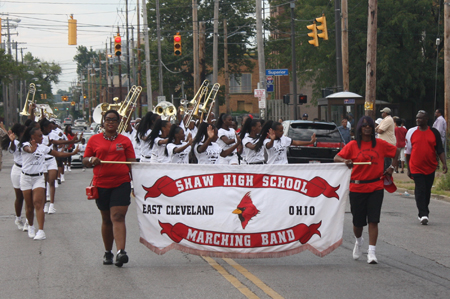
43	28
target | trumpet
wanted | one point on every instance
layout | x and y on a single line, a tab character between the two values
31	91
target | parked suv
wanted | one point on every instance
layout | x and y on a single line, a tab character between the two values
329	141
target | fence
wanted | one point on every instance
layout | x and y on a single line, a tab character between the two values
276	109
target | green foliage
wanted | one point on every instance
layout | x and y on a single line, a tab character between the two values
8	67
443	182
406	49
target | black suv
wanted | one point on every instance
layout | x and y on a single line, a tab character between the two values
329	141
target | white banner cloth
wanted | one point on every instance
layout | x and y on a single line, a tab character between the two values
241	211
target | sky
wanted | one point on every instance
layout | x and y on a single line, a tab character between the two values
43	28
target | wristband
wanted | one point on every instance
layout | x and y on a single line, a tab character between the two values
390	166
90	159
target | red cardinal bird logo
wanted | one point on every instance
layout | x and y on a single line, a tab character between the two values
246	210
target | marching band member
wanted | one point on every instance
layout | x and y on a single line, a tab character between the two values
277	144
11	142
113	183
69	135
143	131
158	142
204	145
32	181
227	139
177	149
249	135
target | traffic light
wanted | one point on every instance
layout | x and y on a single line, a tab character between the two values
56	108
302	99
313	34
65	98
118	45
177	44
286	99
72	31
322	27
84	96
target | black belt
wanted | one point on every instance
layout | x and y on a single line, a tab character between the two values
146	157
18	165
33	174
46	159
364	182
254	163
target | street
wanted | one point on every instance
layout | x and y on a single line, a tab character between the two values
414	260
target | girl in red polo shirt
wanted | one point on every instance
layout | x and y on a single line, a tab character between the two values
366	186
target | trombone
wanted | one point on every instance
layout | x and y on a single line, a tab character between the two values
215	90
31	91
194	102
127	107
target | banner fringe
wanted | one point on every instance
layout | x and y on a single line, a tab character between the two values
238	255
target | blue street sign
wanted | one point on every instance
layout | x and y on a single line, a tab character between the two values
269	88
280	72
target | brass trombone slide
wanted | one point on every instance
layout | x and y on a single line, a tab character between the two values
32	91
212	95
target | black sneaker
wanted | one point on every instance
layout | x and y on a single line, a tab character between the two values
121	258
59	181
108	258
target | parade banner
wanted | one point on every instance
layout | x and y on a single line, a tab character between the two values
241	211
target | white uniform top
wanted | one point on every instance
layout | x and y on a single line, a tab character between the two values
181	157
277	154
34	163
210	156
230	134
158	152
136	146
17	154
144	146
81	149
193	132
249	155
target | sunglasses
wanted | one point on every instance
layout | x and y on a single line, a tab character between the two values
365	125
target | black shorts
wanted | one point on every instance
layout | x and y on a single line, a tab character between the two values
366	207
113	197
59	161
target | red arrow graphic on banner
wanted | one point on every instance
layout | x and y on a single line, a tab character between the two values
301	233
170	187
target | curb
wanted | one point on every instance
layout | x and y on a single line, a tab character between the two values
433	196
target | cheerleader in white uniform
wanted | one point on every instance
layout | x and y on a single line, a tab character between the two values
158	141
143	131
32	182
250	136
227	139
177	149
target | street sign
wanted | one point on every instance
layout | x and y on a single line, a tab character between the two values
349	101
269	88
279	72
262	102
260	93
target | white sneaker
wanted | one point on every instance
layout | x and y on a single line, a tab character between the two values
26	226
371	258
31	232
47	198
56	183
62	178
46	207
40	235
423	220
68	168
357	250
19	223
51	209
84	169
65	167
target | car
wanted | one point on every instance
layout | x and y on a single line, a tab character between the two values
67	121
80	123
329	141
94	127
77	159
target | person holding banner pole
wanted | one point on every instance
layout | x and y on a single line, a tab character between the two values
366	184
113	183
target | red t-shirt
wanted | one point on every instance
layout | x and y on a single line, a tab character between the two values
422	146
366	153
400	134
70	137
121	149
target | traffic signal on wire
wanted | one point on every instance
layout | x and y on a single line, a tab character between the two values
177	44
322	27
118	45
313	34
72	31
302	99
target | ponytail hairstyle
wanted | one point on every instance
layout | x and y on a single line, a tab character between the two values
26	137
221	120
263	135
174	129
202	135
358	130
155	131
247	127
17	129
44	123
145	125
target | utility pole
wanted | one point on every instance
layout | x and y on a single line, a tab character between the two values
147	58
107	72
139	56
261	58
345	62
216	51
100	85
128	45
294	63
158	36
201	50
447	62
195	42
371	62
337	15
225	61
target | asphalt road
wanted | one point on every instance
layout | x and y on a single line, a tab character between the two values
414	260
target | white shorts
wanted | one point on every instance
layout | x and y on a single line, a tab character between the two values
402	154
229	160
28	182
50	164
16	171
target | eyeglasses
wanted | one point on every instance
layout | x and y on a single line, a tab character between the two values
365	125
110	120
